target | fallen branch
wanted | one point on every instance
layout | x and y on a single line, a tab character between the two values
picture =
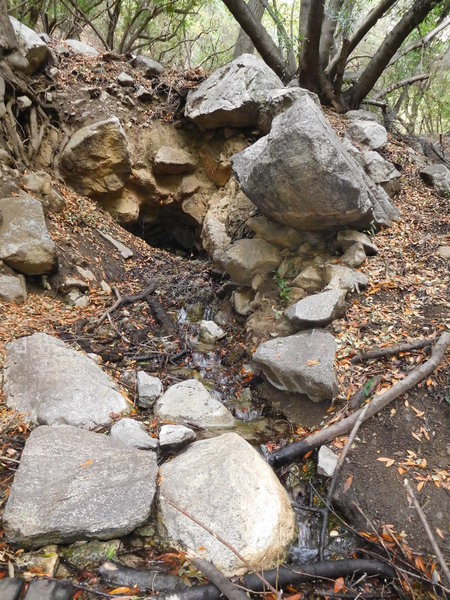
161	316
297	449
155	581
364	393
121	300
380	352
228	589
335	477
428	531
292	575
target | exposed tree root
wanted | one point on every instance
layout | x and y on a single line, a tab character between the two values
121	300
298	449
380	352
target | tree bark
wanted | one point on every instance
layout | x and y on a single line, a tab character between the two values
328	30
262	40
7	36
244	44
309	73
387	50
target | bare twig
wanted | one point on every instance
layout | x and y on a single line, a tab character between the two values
228	589
335	477
121	300
380	352
428	531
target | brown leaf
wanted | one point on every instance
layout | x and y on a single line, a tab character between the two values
339	585
348	483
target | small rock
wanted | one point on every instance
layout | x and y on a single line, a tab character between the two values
327	462
348	237
73	283
149	389
354	256
12	286
438	176
150	67
81	48
174	437
210	332
143	94
317	310
241	302
125	80
310	279
83	555
248	257
105	287
444	252
344	278
173	161
190	402
23	102
86	273
124	251
31	46
369	133
133	434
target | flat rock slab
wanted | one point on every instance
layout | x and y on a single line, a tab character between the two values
174	437
25	244
302	363
348	237
73	484
190	402
53	384
173	161
317	310
228	487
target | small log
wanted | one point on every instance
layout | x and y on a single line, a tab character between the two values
222	583
292	575
161	316
381	352
156	581
297	449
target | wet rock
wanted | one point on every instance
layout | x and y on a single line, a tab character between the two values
246	505
301	176
310	279
438	176
189	402
81	48
133	434
44	561
174	437
25	244
173	161
125	80
82	555
381	171
148	66
369	133
96	160
53	384
344	278
302	363
317	310
348	237
233	95
327	462
249	257
12	286
90	486
210	333
31	46
149	389
354	256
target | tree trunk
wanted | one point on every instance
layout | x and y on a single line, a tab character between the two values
113	16
309	74
328	29
7	36
415	15
244	44
262	40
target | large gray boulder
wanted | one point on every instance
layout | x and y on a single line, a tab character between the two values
300	175
233	95
30	45
96	160
189	402
301	363
150	67
52	384
25	244
73	485
228	487
81	48
368	132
